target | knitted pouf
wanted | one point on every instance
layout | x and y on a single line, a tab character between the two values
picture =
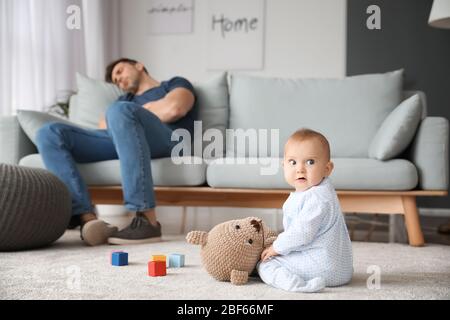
35	208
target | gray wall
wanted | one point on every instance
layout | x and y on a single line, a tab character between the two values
404	41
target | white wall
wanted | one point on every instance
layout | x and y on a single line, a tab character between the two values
303	38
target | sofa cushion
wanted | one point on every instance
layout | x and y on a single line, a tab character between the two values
423	100
348	173
32	121
347	111
397	130
212	100
93	98
164	171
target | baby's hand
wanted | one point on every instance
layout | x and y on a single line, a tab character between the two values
268	253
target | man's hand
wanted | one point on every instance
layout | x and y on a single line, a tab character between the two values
102	123
268	253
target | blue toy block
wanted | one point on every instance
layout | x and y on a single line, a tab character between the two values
119	259
176	260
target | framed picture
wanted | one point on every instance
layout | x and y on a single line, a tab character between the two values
169	16
235	34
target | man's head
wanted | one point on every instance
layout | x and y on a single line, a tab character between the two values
126	74
306	159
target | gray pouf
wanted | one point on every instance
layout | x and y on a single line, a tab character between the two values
35	208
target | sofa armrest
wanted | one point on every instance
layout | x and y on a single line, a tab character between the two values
14	143
429	153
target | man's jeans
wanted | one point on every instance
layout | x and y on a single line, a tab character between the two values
134	135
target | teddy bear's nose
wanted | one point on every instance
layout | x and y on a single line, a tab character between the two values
256	224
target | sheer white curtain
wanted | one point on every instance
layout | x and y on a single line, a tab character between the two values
39	54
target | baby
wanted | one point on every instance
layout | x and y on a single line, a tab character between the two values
314	250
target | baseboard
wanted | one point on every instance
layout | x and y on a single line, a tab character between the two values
434	212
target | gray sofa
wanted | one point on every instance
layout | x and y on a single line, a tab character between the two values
382	141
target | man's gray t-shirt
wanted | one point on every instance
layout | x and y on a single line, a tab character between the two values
157	93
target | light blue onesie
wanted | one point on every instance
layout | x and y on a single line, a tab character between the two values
315	248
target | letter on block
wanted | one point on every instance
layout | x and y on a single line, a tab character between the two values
176	260
119	258
156	268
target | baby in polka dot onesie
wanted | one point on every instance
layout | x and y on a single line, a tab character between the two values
314	250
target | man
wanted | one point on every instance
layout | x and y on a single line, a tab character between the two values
136	128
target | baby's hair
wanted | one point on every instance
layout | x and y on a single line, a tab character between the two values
307	134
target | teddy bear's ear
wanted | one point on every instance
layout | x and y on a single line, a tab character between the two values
197	237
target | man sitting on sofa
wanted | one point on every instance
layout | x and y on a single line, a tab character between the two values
136	128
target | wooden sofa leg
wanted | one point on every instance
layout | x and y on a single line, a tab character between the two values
183	221
412	221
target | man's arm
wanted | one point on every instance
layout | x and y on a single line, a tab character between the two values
175	105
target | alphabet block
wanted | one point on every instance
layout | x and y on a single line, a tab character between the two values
156	268
158	258
119	258
176	260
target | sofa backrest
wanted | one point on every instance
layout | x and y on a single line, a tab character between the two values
347	111
95	96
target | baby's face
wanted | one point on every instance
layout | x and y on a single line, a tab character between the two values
305	164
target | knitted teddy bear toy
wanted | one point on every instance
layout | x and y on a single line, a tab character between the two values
231	249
